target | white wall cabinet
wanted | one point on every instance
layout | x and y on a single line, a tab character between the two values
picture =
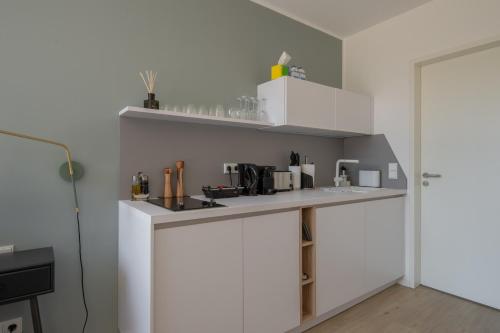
384	241
198	278
353	112
360	249
308	104
340	255
271	267
299	106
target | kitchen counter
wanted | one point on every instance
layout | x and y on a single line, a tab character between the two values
219	269
258	204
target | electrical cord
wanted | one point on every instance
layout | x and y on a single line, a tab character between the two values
68	164
230	175
82	280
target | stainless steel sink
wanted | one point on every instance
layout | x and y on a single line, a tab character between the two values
349	189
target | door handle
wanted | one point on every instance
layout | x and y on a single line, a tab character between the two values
431	175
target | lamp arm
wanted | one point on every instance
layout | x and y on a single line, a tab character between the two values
55	143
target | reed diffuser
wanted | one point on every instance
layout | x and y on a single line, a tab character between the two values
149	82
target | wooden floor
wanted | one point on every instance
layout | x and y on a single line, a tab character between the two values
403	310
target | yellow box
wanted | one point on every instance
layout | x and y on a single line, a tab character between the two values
278	71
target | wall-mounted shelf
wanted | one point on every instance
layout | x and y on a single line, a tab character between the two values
142	113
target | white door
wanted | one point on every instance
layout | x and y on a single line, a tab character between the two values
340	255
271	245
461	143
198	279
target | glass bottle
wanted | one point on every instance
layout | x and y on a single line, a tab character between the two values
136	186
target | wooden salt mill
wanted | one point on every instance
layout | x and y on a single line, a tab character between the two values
180	178
167	193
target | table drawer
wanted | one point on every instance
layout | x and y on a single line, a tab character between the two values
23	283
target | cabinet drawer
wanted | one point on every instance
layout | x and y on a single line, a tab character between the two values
21	284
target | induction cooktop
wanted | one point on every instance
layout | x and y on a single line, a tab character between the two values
184	203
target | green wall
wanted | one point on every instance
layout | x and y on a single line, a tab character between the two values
68	66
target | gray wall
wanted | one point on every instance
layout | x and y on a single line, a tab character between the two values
68	66
374	153
150	146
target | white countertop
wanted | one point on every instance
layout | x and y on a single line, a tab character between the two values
257	204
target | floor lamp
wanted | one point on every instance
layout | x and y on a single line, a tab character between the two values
72	176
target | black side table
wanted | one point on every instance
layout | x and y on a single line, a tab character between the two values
24	275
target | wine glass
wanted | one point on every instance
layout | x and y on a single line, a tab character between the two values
191	109
219	111
202	110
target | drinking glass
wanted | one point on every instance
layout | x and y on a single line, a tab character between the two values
246	104
203	110
177	108
191	109
261	114
211	111
240	100
254	107
234	113
219	111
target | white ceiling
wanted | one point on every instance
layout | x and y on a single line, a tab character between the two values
341	18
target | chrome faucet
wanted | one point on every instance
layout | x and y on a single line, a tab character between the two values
337	178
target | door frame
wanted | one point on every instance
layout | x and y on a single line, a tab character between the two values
413	256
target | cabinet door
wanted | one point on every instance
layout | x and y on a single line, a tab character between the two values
309	104
353	112
384	242
272	95
271	273
340	255
198	279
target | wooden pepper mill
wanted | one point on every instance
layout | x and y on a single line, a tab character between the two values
180	178
167	193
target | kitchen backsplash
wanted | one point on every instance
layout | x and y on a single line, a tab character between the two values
374	153
149	146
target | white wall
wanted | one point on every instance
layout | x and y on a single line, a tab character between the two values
380	61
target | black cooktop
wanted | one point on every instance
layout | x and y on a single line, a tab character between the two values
185	203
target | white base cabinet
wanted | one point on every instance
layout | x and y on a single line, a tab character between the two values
384	241
271	272
242	275
340	255
360	248
230	276
198	278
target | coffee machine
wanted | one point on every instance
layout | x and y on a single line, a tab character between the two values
248	178
266	180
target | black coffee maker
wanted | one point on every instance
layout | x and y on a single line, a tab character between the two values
249	178
266	180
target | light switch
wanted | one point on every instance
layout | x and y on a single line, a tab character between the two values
393	171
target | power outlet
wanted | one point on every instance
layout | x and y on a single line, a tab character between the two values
393	171
233	167
12	326
6	249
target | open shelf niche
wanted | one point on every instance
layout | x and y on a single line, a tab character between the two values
307	263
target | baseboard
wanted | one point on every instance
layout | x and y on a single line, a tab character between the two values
313	322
